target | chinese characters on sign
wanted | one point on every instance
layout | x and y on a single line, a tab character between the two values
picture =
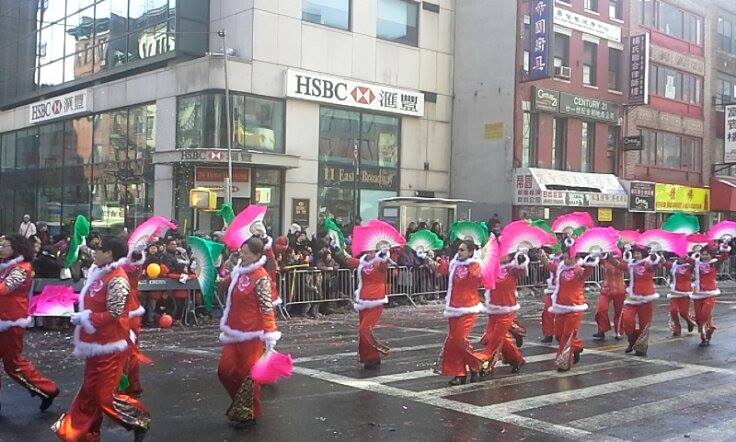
641	197
729	155
541	39
335	90
70	104
588	25
639	72
674	198
547	100
529	192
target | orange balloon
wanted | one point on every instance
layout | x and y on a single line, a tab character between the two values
153	270
165	321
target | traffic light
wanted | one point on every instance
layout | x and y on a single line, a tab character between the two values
202	198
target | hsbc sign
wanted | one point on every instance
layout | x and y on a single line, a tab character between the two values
335	90
70	104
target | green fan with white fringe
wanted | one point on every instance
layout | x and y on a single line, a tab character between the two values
335	233
542	224
423	241
682	223
205	254
469	229
82	228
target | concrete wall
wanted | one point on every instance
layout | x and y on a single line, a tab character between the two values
485	42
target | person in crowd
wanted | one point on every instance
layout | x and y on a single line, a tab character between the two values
248	322
47	264
641	294
706	289
437	229
27	228
149	299
681	288
101	338
411	229
612	291
43	233
409	278
16	277
328	267
548	318
175	260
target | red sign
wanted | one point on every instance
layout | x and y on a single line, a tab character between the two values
212	174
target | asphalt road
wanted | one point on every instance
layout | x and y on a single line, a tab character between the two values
679	392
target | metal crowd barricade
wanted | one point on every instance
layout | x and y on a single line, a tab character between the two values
400	282
303	285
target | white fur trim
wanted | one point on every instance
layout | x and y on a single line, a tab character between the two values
137	313
493	309
133	337
91	349
21	322
365	304
271	336
234	276
641	299
712	262
674	294
363	263
705	294
231	336
454	312
86	322
560	309
277	302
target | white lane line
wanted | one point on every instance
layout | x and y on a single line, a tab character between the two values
702	368
652	409
593	391
724	431
353	354
484	412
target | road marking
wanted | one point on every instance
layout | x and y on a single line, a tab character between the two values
353	354
724	431
652	409
596	390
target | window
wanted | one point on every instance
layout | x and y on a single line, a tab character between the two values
616	9
675	85
559	142
529	142
561	50
590	63
398	21
671	150
726	39
258	123
673	21
615	70
612	142
333	13
591	5
726	90
587	147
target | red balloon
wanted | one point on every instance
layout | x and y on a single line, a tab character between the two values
165	321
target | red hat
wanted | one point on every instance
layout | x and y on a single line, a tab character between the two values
282	243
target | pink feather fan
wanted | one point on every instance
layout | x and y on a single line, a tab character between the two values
374	236
597	239
523	236
572	221
155	226
240	230
696	241
725	230
271	367
490	262
659	240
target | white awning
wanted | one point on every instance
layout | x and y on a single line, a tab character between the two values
562	188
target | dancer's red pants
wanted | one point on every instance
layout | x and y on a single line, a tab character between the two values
499	338
567	326
19	368
644	312
458	353
601	316
369	349
680	308
704	314
548	319
236	362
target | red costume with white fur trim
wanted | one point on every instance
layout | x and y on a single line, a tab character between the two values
101	337
681	287
706	290
370	296
613	290
501	305
548	318
640	295
247	322
135	315
568	302
15	283
462	306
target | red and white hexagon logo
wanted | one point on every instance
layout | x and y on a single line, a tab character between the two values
363	95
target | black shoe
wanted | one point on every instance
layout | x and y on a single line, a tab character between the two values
599	336
372	365
690	327
618	337
473	377
576	357
457	380
140	434
704	343
241	425
516	368
546	340
46	403
519	341
629	349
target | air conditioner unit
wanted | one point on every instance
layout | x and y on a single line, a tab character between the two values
562	72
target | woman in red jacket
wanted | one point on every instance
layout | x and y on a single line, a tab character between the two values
613	290
16	276
569	305
681	286
706	290
248	322
370	296
640	296
462	305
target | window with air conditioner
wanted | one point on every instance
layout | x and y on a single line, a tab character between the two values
562	55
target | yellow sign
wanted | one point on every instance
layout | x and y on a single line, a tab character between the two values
202	198
673	198
605	215
493	131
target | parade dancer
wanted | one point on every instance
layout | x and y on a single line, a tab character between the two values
681	288
569	305
248	322
548	318
706	289
462	305
133	269
272	267
501	305
101	338
612	291
16	276
640	294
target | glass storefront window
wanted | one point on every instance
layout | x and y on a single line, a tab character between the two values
258	123
110	143
369	202
7	152
337	202
27	149
398	21
267	191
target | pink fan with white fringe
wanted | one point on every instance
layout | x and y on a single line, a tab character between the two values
490	262
374	236
522	236
659	240
572	221
696	241
271	367
154	227
725	230
596	240
240	230
629	236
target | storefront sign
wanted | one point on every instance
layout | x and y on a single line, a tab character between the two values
213	155
729	155
300	211
64	105
633	143
543	187
540	49
214	178
368	177
639	70
546	100
673	198
588	25
589	108
342	91
641	197
605	215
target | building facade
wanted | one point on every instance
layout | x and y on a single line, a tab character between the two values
333	105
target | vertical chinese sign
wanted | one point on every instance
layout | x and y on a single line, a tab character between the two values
639	71
541	41
729	153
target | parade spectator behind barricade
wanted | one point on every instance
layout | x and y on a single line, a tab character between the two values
27	228
437	230
43	233
176	260
293	234
149	299
331	286
46	264
411	229
86	256
35	243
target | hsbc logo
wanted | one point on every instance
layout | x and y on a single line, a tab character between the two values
363	95
69	104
